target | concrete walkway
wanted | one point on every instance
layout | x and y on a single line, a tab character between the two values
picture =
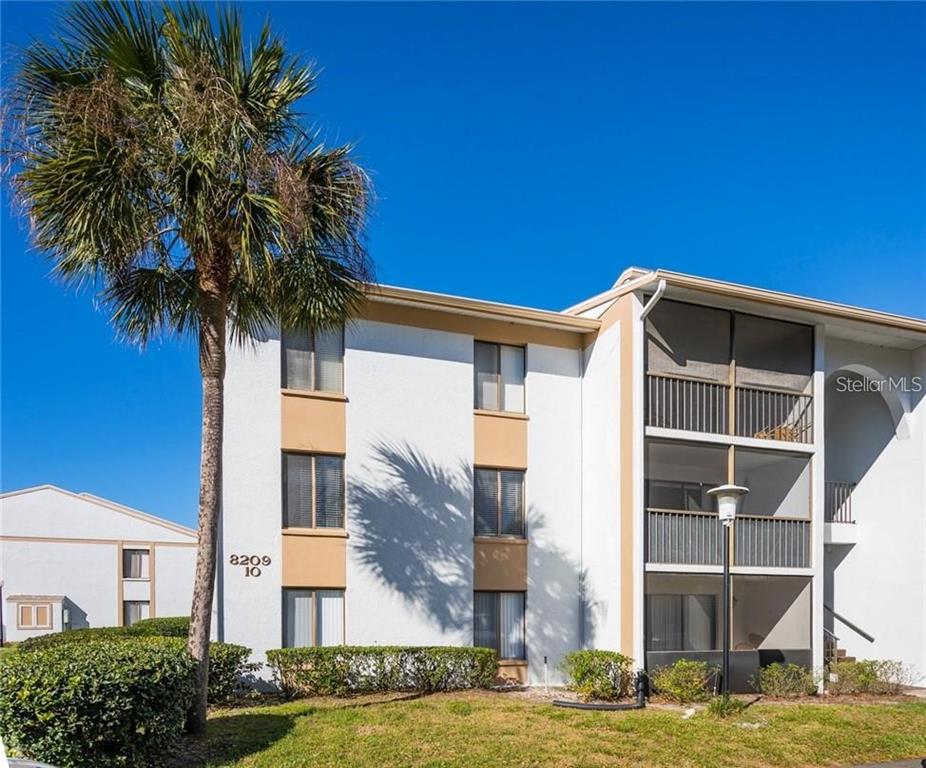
896	764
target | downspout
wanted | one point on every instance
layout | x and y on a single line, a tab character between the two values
647	308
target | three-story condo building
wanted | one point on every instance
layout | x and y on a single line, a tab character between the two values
454	471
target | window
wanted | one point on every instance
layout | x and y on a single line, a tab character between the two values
314	361
681	622
134	610
498	622
33	616
499	377
313	617
313	491
499	502
134	563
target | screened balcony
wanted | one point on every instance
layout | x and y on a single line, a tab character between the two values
682	528
770	621
711	370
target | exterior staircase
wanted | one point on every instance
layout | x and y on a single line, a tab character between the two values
831	650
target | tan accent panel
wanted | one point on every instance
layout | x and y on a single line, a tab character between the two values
623	310
25	615
500	331
499	440
515	671
315	561
499	565
315	424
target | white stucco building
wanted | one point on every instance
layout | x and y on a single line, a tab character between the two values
455	471
70	560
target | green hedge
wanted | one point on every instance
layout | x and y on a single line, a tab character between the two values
228	663
167	626
785	680
603	675
343	670
684	681
98	704
868	676
162	626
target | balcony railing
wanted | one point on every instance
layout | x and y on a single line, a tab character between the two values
838	504
702	405
771	542
773	414
689	538
696	538
698	405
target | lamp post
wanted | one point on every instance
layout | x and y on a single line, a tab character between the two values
727	497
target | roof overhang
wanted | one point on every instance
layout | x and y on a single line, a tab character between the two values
490	310
841	320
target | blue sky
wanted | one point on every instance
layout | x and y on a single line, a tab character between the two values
526	153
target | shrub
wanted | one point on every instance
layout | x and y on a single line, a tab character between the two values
228	664
877	677
724	706
73	636
229	670
162	626
604	675
343	670
784	681
684	681
167	626
97	704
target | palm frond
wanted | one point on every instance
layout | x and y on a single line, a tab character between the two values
160	148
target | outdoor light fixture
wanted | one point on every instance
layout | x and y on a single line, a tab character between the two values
727	497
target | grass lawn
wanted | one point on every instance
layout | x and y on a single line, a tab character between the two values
489	729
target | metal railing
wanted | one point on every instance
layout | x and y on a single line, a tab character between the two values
696	538
830	646
688	538
838	502
854	627
697	405
771	542
772	414
702	405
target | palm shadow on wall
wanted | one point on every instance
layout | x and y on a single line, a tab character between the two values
413	530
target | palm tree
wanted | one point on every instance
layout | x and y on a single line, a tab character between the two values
162	162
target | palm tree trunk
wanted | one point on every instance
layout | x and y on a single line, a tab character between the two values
213	307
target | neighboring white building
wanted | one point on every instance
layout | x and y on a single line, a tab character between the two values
70	560
454	471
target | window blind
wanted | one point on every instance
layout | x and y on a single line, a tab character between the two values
485	620
297	618
134	564
498	502
511	614
512	378
485	502
297	360
133	611
313	361
329	360
512	501
329	617
485	361
297	490
329	492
